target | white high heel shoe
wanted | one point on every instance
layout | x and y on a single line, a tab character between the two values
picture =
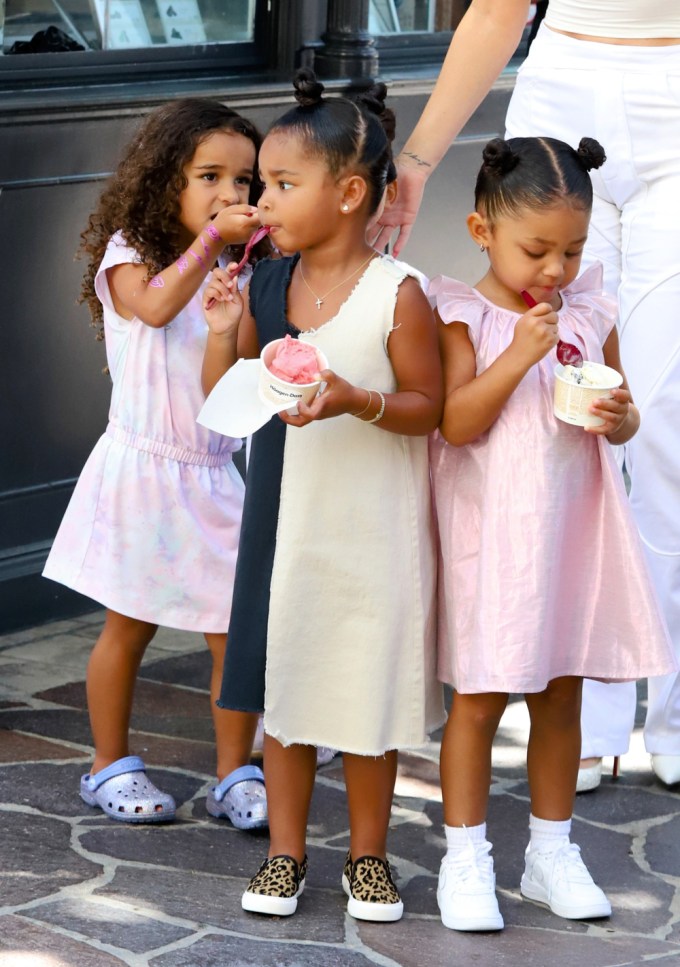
590	777
667	768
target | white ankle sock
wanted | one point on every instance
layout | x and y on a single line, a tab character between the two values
457	837
547	834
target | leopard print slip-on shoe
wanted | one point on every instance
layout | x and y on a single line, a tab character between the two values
276	886
372	894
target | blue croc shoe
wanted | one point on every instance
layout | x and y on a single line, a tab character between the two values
125	793
240	798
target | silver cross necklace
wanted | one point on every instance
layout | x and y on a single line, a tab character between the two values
320	299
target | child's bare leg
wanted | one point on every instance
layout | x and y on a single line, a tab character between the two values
370	788
111	675
465	764
289	775
367	878
554	873
234	731
466	889
554	748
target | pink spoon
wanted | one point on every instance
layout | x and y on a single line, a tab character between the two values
256	237
567	353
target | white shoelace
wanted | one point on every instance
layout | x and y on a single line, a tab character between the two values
472	866
567	866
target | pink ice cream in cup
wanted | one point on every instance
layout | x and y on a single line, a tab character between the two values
290	371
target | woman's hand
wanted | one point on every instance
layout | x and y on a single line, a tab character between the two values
614	410
402	212
236	223
222	302
535	333
337	397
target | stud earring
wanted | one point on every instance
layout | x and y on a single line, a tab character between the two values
345	207
482	248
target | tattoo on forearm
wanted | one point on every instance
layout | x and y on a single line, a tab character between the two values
182	264
206	247
197	257
157	282
213	233
418	160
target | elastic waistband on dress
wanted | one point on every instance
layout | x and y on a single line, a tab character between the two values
552	49
170	451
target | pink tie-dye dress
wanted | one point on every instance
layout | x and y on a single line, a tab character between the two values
153	525
542	572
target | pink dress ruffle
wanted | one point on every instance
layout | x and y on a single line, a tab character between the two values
542	571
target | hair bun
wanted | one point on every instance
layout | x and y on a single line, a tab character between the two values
372	98
591	153
498	157
308	90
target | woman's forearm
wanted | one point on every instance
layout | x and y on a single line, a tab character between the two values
482	45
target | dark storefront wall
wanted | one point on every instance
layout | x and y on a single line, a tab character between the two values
55	397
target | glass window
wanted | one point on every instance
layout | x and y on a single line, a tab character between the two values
45	26
410	16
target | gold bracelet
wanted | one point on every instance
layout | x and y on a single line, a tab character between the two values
379	415
361	413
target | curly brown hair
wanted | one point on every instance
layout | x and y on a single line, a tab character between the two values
141	199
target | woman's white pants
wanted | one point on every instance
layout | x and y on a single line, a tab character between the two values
628	98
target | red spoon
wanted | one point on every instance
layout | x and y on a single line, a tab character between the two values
256	237
567	353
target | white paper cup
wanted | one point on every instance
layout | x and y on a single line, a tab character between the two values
571	400
273	389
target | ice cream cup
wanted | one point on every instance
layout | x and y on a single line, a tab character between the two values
571	400
249	395
274	391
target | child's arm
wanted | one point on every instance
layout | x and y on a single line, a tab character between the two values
231	327
472	403
415	408
157	301
621	416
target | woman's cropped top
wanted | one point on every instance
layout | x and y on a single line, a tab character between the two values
635	19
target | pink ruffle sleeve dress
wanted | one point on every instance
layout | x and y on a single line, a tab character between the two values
542	572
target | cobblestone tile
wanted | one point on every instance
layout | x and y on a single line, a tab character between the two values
24	944
110	923
37	860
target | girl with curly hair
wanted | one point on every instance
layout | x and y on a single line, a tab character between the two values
152	529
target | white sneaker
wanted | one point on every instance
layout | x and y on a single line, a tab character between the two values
466	893
560	880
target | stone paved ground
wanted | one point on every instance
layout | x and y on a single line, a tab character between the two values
77	890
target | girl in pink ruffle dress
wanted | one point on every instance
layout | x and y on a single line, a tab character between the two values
542	578
152	529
